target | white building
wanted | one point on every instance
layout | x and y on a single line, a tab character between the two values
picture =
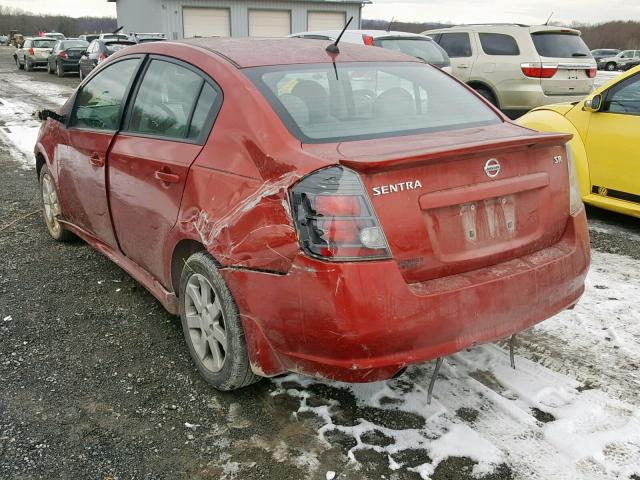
235	18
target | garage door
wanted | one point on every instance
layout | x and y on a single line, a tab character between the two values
206	22
319	21
269	23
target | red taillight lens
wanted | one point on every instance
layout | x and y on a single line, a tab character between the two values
368	40
101	57
539	70
64	56
334	218
592	72
32	51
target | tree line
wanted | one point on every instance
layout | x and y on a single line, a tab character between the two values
624	35
30	24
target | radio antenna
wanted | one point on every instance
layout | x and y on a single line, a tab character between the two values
333	48
549	19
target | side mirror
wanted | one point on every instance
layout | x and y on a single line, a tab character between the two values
44	114
594	104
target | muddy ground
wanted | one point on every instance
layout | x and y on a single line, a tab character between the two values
96	381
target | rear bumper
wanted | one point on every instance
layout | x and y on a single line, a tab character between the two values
362	322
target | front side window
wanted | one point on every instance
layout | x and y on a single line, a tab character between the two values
99	103
165	100
624	97
368	100
498	44
560	45
456	44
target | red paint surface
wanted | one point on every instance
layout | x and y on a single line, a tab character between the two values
357	321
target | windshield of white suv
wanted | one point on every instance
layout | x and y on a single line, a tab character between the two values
363	100
560	45
423	49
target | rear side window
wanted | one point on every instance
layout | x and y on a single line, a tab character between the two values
560	45
99	102
209	99
456	44
426	50
165	100
498	44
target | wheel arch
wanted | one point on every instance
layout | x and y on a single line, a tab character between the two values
482	84
551	121
181	252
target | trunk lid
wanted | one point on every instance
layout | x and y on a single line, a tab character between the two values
467	199
565	49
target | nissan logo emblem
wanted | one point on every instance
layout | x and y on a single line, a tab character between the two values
492	168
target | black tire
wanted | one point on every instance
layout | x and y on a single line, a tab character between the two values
20	66
27	65
235	371
610	67
55	228
59	70
487	94
49	69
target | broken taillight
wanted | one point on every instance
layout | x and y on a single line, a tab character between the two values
539	70
334	217
63	55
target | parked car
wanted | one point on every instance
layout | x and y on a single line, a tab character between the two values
146	37
295	227
605	129
412	44
4	40
619	61
65	56
89	37
56	35
98	51
603	53
519	67
34	52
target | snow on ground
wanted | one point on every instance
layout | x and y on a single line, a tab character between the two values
603	77
559	422
19	128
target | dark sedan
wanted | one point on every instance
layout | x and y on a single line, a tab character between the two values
65	56
98	51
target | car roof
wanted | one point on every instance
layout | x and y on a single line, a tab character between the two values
257	52
501	27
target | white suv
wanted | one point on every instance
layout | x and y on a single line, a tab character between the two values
519	67
419	46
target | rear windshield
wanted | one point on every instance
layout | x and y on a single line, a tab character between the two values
359	101
114	47
74	43
560	45
44	43
426	50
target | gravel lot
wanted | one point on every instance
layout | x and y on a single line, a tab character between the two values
97	382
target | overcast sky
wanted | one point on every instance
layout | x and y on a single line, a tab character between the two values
455	11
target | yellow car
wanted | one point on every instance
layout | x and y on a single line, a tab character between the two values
606	141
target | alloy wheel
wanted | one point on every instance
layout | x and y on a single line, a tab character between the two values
206	322
51	205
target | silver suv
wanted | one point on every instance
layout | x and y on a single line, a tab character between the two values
519	67
627	58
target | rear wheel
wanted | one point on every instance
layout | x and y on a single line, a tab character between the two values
59	70
28	67
18	64
610	67
51	207
212	327
487	94
49	69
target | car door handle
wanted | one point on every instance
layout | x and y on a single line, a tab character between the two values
463	66
96	160
167	177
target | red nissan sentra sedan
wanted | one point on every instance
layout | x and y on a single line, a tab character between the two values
339	215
